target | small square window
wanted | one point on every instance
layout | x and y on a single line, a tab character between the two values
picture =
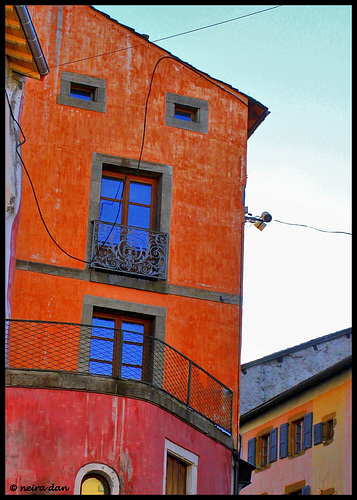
82	91
188	113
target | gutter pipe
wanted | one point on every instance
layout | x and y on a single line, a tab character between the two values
32	39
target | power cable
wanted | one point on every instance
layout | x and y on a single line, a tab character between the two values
32	186
167	37
38	205
163	38
312	227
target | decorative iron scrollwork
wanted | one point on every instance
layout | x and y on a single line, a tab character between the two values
129	249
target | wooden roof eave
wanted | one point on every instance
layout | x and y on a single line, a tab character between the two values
22	46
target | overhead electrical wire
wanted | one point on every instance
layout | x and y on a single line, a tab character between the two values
167	37
312	227
122	49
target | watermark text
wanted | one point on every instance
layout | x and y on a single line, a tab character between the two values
35	487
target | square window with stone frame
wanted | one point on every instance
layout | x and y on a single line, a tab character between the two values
82	91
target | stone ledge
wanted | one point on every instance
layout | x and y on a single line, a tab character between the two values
41	379
117	279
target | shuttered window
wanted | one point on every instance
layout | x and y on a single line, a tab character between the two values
284	439
318	433
273	449
307	431
251	451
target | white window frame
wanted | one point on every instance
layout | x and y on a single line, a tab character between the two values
108	474
188	458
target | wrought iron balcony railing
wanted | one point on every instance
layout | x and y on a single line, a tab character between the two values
129	249
86	349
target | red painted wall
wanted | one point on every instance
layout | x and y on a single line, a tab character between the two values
65	430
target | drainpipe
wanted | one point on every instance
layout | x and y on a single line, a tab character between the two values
235	455
32	39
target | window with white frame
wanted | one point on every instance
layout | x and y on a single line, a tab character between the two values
96	478
180	470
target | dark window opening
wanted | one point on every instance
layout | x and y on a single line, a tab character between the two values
298	436
82	92
264	449
327	430
186	113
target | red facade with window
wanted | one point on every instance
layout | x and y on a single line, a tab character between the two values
124	342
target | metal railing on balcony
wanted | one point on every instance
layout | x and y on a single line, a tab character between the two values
85	349
129	249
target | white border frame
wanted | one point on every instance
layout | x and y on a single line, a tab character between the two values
108	473
192	465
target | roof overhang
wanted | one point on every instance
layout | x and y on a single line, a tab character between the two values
22	46
257	113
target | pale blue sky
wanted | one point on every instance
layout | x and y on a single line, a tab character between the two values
296	60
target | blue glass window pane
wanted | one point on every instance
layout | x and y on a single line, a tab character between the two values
112	188
103	328
131	372
101	349
108	211
133	332
133	327
84	94
183	115
132	354
133	337
140	193
139	216
100	368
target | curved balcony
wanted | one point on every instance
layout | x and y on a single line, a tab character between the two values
83	350
130	250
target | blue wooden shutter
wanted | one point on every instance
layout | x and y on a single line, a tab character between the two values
251	450
273	445
307	431
284	435
318	433
305	490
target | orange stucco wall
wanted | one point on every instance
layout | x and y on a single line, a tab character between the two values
188	325
322	466
208	169
209	173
